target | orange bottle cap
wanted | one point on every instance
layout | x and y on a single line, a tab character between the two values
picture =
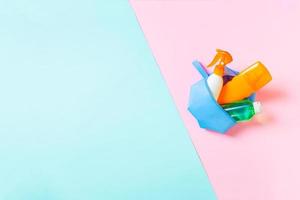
219	70
223	57
257	75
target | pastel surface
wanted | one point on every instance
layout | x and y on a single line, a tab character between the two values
257	160
85	113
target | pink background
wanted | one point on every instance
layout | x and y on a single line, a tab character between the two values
258	160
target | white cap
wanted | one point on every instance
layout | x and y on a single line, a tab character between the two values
257	107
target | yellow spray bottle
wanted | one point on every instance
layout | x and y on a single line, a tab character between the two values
215	80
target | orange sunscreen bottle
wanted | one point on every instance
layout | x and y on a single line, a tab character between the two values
245	83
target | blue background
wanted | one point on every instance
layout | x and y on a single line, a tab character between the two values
84	112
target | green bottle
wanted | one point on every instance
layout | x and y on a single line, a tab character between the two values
242	110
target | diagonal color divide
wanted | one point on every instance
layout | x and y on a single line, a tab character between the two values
257	160
85	113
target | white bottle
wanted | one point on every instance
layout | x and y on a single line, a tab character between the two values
215	81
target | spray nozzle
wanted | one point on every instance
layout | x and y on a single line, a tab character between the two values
222	58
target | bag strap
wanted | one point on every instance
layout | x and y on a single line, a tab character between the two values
201	69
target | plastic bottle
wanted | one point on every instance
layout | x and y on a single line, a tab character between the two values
242	110
245	83
215	80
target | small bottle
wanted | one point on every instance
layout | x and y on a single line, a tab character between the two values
215	80
245	83
242	110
